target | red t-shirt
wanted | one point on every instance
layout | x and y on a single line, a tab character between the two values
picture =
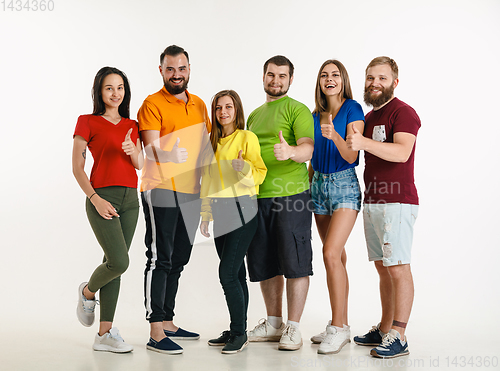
385	181
112	166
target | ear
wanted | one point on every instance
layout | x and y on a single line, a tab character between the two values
291	79
396	82
161	71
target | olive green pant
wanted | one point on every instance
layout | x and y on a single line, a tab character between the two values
114	236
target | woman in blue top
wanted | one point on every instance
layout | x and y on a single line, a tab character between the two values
335	190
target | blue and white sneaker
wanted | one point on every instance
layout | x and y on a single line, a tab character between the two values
392	346
372	337
165	345
181	334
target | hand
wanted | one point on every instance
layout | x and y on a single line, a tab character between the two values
355	141
178	155
328	130
282	151
204	228
127	145
103	207
239	162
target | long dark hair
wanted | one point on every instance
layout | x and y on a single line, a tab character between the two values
239	117
346	92
99	107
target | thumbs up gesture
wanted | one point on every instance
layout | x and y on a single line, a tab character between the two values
328	130
127	145
178	155
355	141
238	163
282	151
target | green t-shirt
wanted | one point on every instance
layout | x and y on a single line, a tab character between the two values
284	178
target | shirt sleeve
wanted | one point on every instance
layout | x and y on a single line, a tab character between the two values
83	128
206	210
355	113
406	120
303	125
149	117
258	170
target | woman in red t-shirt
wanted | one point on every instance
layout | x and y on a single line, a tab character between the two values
112	204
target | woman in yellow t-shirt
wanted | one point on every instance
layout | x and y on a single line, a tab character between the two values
228	189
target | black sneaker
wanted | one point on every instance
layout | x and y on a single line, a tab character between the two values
221	340
372	337
235	344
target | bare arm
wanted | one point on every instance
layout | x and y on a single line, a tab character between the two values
399	151
300	153
103	207
329	132
151	140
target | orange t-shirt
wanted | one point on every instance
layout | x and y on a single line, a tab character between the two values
175	119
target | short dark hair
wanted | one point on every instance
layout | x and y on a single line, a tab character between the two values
172	51
99	106
279	60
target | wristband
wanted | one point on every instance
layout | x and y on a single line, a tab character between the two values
93	194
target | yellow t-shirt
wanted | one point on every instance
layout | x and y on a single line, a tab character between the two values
174	118
221	180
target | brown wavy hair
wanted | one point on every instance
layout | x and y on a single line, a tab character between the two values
320	97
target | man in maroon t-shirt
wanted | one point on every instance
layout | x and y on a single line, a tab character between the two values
391	202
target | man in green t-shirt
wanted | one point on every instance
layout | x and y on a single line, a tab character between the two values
281	247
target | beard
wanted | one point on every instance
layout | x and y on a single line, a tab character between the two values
280	92
381	99
175	89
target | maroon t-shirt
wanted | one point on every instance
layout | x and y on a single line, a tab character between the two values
385	181
112	166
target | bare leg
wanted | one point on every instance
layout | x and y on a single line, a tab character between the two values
339	228
386	296
89	295
272	291
156	331
169	326
346	311
296	294
403	291
104	327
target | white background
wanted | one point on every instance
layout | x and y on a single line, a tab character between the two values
447	52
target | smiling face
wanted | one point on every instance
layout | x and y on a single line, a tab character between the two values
330	80
175	72
225	112
277	80
112	91
379	85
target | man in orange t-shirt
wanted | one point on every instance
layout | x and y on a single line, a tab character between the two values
174	127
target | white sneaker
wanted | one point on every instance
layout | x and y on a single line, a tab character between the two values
333	341
317	339
112	342
348	329
291	338
264	331
85	308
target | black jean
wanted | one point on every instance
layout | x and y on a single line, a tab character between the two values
172	219
232	248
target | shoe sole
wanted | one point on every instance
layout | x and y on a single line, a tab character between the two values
235	351
104	348
265	338
367	344
290	346
183	337
179	351
216	344
374	354
320	351
315	341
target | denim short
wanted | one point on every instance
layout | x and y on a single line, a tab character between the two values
389	232
334	191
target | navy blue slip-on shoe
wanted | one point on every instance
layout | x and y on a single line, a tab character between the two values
165	345
181	334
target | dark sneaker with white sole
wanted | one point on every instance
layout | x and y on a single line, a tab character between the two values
221	340
371	338
235	344
391	347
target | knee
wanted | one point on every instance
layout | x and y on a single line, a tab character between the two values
399	271
331	258
120	266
